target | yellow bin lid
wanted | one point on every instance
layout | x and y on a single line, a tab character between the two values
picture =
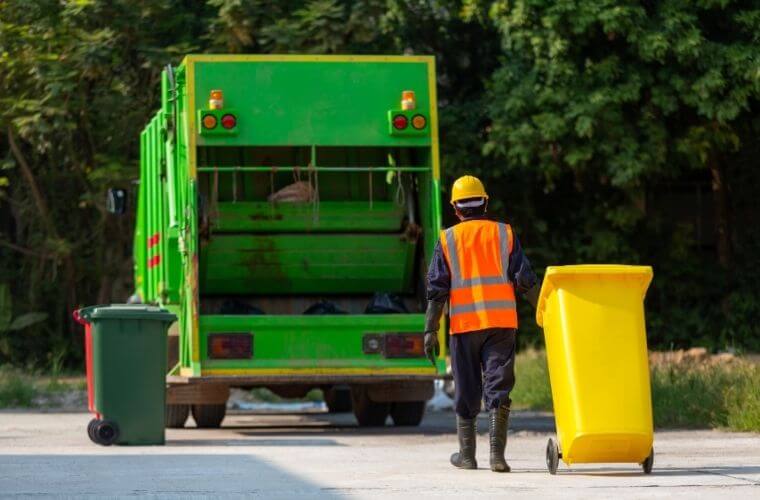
553	273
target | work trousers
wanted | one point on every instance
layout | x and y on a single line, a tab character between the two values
483	363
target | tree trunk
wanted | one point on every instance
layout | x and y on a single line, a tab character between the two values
722	212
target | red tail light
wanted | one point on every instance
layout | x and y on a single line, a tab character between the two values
404	345
400	122
229	121
230	346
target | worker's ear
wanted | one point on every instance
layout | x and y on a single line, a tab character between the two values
458	213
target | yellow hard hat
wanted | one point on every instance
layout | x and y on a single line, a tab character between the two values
466	187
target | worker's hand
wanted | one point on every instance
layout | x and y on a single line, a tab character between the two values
432	322
532	295
432	347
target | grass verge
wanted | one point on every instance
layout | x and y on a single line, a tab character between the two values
21	390
684	395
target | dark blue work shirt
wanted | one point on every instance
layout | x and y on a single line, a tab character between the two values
439	277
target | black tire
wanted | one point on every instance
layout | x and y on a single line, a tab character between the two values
176	416
367	412
408	413
552	456
648	462
105	432
209	416
91	429
337	399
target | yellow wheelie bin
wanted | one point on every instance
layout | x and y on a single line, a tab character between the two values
596	350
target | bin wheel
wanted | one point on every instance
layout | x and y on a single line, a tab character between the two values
209	416
408	413
367	412
91	429
105	432
337	399
552	456
648	462
176	416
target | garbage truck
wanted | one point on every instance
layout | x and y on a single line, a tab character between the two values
286	210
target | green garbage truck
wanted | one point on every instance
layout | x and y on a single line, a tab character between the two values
286	209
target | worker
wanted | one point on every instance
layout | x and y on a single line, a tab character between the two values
477	266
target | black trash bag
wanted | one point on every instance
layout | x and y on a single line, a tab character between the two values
239	308
324	307
386	303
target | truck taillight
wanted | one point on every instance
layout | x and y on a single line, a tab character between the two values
406	345
394	345
229	121
400	122
230	346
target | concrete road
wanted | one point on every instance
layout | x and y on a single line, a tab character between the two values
324	456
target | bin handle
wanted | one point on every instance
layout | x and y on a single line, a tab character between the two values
78	318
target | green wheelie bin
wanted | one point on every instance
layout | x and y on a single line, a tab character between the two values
125	350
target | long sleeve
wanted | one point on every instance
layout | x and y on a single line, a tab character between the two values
520	271
438	276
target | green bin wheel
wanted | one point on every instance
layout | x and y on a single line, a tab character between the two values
337	399
367	412
648	462
106	432
408	413
552	456
176	416
91	429
209	416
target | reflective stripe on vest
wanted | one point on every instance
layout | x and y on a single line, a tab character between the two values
481	294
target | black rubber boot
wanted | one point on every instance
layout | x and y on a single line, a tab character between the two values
498	421
466	432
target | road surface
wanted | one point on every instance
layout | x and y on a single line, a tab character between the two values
327	456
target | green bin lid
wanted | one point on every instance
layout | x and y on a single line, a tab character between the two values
132	311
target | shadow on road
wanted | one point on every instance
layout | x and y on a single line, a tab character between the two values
142	474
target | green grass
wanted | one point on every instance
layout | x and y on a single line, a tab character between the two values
532	390
22	390
701	395
16	390
725	396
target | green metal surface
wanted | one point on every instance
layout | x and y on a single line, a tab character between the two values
328	341
303	103
343	217
204	222
129	369
308	263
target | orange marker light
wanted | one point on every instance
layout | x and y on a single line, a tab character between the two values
209	121
408	101
216	100
419	122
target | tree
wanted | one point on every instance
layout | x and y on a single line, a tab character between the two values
622	93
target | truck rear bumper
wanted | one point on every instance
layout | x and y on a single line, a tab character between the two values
322	379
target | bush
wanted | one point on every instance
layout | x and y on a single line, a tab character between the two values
684	395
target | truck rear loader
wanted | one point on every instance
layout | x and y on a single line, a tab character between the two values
287	208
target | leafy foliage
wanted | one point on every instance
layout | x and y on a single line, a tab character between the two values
579	115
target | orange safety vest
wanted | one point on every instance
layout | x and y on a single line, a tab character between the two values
481	296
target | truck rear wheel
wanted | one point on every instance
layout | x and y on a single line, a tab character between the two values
176	416
408	413
209	416
337	399
367	412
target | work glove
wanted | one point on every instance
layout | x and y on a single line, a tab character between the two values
532	295
432	322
